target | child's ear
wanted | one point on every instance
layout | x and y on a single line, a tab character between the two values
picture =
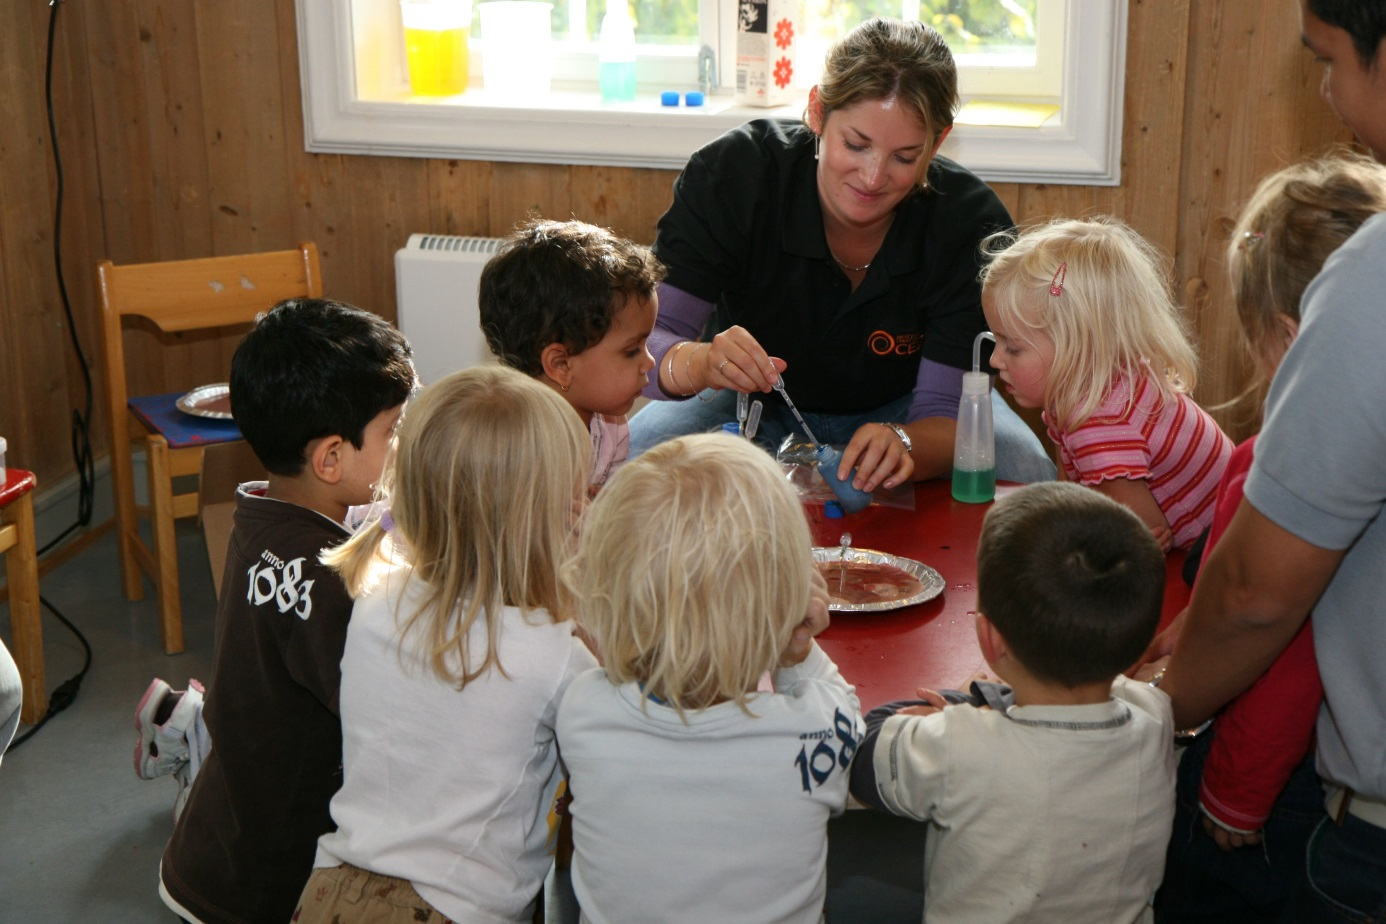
990	640
554	359
1289	329
325	459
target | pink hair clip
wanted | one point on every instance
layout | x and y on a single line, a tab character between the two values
1056	285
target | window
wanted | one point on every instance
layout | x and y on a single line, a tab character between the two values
1035	111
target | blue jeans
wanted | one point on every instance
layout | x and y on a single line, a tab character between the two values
1204	883
1020	457
1343	877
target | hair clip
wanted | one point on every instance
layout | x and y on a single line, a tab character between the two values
387	522
1251	238
1056	285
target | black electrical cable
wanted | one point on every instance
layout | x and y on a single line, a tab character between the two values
81	420
66	691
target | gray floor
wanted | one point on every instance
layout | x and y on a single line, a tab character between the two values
81	835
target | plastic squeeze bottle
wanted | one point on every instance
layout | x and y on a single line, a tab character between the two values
974	448
616	54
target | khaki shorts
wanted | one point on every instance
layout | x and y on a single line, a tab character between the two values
355	896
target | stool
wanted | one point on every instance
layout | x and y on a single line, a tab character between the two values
21	566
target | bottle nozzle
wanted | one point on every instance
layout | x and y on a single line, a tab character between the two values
977	349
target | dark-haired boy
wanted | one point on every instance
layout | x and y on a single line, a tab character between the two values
1049	799
316	389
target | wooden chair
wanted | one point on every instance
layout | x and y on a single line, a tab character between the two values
178	296
21	566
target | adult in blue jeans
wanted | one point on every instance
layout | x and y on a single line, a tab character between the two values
1310	532
842	251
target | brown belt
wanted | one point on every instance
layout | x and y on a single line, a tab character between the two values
1343	802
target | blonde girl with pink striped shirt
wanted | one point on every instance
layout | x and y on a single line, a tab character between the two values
1087	330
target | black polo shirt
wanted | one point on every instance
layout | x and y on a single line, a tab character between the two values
746	232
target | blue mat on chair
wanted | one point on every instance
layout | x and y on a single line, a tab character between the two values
161	413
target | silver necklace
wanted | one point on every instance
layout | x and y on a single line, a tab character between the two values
851	269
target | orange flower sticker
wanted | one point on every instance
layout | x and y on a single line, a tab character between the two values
784	72
784	33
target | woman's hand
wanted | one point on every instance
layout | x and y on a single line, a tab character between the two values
879	457
815	621
736	360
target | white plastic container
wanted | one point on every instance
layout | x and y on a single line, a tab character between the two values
3	447
516	59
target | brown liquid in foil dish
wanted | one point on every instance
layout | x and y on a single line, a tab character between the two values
854	583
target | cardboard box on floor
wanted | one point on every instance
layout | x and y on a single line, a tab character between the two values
224	466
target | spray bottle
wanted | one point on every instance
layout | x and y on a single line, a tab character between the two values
974	449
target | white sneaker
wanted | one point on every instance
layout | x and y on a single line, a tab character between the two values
164	719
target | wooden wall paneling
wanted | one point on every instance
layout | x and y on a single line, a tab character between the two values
83	241
616	198
1253	107
459	198
32	365
381	223
519	190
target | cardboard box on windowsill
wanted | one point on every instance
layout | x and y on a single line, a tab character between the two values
224	467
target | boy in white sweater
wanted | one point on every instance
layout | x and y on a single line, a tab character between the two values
1049	798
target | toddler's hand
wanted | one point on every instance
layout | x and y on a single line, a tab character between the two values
1229	840
932	697
1165	536
815	621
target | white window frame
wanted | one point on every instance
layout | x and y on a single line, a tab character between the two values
1081	146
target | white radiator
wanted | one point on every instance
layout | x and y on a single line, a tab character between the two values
436	279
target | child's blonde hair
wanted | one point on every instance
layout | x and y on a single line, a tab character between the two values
1291	224
1113	315
693	570
489	467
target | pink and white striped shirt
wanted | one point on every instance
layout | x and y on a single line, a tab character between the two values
1170	443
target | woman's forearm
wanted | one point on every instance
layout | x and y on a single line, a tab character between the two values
681	318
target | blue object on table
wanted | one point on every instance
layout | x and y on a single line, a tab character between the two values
161	413
693	98
669	98
851	499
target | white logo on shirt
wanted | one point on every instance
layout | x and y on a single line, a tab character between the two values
277	580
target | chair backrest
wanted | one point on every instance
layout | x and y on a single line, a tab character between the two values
182	295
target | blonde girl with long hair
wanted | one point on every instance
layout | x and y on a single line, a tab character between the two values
1087	330
698	792
459	649
1249	795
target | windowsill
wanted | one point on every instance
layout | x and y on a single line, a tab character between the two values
1079	142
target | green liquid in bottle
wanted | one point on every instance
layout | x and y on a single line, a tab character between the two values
974	487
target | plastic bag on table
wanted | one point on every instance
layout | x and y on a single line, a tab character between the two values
799	459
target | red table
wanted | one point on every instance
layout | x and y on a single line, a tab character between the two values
888	655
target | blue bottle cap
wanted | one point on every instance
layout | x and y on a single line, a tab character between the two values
669	98
732	427
693	98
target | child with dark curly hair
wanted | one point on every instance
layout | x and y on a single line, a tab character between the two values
572	305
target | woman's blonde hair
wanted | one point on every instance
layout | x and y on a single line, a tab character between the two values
489	466
1113	316
884	58
1291	224
693	570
